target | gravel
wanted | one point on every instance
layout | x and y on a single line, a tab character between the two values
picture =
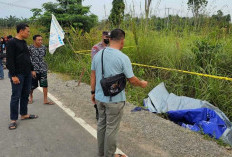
141	133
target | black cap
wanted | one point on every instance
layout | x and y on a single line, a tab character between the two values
105	33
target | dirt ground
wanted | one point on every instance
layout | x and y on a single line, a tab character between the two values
141	133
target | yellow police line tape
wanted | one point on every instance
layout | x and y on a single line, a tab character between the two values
170	69
183	71
82	53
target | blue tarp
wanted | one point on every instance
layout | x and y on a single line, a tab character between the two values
202	119
194	114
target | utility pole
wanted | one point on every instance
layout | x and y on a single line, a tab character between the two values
168	9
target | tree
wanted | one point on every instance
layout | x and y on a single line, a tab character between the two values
11	21
221	20
147	7
68	13
196	5
36	13
117	13
219	13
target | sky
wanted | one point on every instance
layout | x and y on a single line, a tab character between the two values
102	8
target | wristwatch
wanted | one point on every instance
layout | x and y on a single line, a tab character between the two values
92	92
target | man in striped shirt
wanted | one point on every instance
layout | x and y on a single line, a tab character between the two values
103	44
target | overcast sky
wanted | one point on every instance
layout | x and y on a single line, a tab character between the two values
102	7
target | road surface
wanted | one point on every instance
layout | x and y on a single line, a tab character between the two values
53	134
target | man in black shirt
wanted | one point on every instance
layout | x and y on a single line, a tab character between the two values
20	72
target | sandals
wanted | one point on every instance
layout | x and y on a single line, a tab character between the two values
12	126
120	155
31	116
49	103
30	102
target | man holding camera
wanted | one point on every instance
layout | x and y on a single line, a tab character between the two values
111	108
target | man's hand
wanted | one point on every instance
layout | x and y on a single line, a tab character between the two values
15	80
93	98
136	82
144	84
33	73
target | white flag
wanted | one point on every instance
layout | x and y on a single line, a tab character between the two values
56	35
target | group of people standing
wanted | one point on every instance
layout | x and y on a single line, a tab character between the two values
3	44
26	68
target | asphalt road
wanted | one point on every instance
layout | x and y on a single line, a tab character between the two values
53	134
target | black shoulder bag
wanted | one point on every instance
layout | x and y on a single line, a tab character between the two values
112	85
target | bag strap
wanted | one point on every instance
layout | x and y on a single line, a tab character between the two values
102	63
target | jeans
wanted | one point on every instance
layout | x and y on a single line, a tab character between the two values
20	94
110	115
1	69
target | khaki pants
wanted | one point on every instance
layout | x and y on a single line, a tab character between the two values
110	115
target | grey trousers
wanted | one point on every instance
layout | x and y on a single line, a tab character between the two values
110	115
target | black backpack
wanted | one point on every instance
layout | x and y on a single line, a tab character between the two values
113	85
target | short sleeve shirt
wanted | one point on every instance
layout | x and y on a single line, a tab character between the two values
37	58
96	48
114	62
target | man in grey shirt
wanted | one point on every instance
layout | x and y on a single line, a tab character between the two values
111	109
38	51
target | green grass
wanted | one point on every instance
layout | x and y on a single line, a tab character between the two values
205	51
165	49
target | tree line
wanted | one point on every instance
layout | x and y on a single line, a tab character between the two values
72	14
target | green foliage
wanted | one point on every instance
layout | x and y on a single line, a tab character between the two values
196	5
36	13
11	21
68	13
181	23
221	20
117	13
166	50
207	51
